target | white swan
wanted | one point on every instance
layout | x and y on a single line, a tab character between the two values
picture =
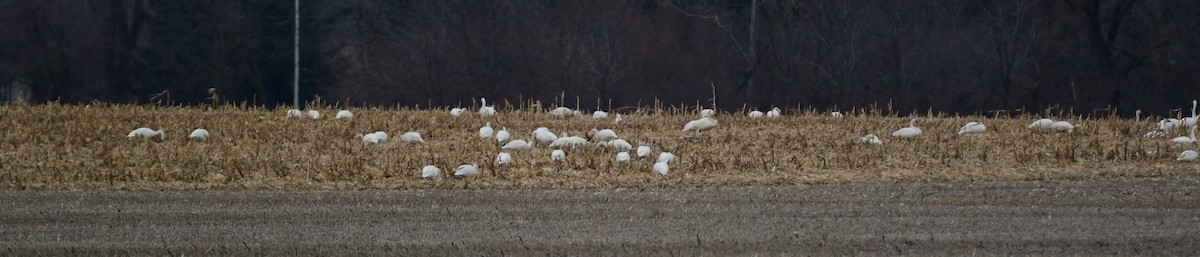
755	114
504	159
517	145
147	133
486	110
430	171
199	134
1154	134
661	168
294	113
344	115
543	135
707	113
643	151
369	138
1041	124
569	141
666	157
561	112
908	132
617	119
1169	124
870	139
383	136
314	114
1190	121
972	128
503	136
558	155
457	111
602	135
623	157
486	131
1064	126
411	137
467	170
836	114
1182	140
774	113
1189	155
620	144
700	124
599	115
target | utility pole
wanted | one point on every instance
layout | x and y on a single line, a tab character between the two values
296	63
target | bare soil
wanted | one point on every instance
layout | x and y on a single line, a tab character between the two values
1114	217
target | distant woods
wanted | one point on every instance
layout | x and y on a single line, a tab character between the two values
961	56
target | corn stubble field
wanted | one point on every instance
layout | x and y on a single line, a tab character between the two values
56	146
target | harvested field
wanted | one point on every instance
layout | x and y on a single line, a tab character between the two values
85	147
1117	217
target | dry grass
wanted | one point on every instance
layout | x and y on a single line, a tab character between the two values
73	147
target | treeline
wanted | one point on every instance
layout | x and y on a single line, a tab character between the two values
961	56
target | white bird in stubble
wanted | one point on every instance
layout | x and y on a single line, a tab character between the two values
376	137
870	139
755	114
1064	126
911	131
517	145
467	170
661	168
1154	134
369	138
623	157
486	110
1041	124
199	134
666	157
344	115
700	125
544	136
457	111
504	159
599	115
503	136
411	137
620	144
972	128
1189	155
602	135
836	114
314	114
561	112
430	171
383	136
1182	140
774	112
569	141
707	113
147	134
644	151
1190	121
1169	124
617	119
486	131
558	155
294	113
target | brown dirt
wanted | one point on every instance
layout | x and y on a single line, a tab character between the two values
1112	217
